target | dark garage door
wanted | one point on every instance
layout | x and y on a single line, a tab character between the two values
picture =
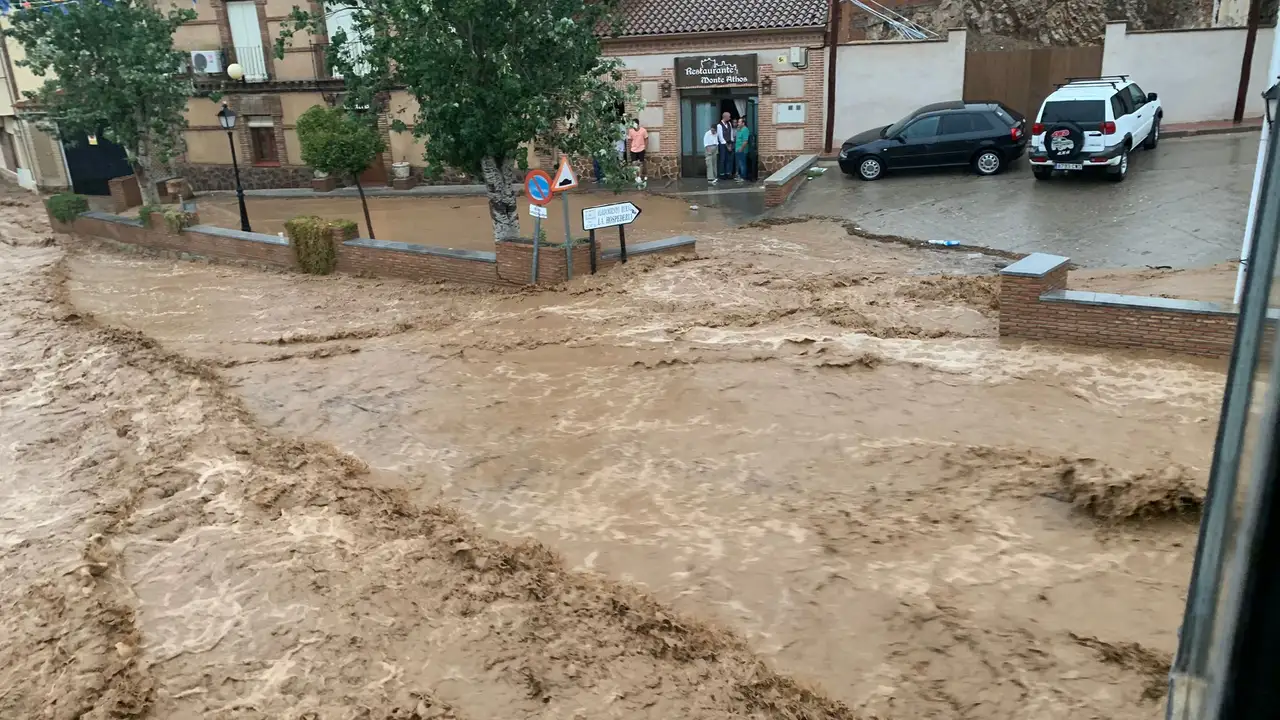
91	166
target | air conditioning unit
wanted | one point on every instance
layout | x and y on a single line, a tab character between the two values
206	62
800	57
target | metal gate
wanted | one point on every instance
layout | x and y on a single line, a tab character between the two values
91	166
1022	79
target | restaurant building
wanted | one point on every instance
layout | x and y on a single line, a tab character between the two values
762	60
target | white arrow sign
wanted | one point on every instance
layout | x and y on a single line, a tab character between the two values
603	216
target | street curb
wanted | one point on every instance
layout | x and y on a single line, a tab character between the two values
1198	132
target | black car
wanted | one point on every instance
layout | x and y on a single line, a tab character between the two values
984	135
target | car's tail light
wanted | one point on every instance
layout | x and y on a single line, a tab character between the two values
1015	132
1037	128
1108	128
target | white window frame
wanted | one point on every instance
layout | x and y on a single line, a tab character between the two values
246	38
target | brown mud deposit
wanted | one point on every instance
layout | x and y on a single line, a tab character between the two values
797	477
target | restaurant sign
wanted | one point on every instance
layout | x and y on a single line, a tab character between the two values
704	71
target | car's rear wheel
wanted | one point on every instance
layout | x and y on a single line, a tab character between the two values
1042	172
988	162
1121	170
870	168
1153	137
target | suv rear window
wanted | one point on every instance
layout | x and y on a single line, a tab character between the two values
1091	112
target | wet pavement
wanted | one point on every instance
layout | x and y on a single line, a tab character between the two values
1182	205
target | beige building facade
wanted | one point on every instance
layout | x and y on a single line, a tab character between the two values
29	156
782	92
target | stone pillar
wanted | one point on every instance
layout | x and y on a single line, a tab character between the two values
1022	284
125	193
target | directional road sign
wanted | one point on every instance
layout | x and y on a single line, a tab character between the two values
537	186
603	216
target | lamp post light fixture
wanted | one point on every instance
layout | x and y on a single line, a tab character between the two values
227	119
1272	98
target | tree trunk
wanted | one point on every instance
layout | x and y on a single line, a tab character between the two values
499	175
141	162
365	204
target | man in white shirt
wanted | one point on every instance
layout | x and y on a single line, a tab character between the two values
711	146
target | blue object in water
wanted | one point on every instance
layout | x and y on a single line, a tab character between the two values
945	243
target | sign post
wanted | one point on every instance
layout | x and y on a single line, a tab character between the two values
537	187
618	215
566	179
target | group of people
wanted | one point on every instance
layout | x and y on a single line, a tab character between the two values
631	145
725	145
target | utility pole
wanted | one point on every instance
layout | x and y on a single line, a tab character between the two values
1246	63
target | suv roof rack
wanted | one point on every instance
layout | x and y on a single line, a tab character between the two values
1112	80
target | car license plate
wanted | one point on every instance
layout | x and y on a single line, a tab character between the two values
1068	166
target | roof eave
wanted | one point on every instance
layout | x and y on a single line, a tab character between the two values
715	33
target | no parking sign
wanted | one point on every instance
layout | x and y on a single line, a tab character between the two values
537	186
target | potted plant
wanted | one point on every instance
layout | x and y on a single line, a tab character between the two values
400	170
323	181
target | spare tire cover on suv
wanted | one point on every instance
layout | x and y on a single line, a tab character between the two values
1063	141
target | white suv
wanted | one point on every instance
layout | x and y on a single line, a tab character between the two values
1094	123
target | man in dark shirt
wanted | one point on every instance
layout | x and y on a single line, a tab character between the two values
726	146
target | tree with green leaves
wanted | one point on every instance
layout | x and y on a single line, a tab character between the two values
490	77
110	69
335	142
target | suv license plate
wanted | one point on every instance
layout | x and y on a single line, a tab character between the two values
1068	166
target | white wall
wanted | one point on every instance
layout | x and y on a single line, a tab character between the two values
877	83
1195	72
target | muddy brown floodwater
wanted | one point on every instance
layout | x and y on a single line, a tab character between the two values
463	222
797	476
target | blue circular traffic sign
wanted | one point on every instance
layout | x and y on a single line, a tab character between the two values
537	185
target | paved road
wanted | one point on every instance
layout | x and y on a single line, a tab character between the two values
1182	205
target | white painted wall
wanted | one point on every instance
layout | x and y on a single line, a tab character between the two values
1195	72
877	83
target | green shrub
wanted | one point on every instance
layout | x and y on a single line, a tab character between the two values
177	219
65	207
146	211
312	241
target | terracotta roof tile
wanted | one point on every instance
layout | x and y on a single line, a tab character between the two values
666	17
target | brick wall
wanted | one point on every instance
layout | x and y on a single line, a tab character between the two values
1035	304
511	263
414	265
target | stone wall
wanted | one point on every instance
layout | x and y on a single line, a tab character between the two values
222	177
1035	304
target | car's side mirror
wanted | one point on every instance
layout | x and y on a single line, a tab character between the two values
1152	97
900	139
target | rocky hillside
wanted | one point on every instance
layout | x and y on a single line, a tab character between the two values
1016	24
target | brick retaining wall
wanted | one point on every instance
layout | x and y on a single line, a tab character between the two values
511	263
1035	304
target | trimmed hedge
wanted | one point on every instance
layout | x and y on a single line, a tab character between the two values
66	207
311	238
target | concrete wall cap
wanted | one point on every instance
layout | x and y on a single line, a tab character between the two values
1035	265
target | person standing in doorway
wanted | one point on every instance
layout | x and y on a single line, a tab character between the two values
637	143
725	131
711	146
741	139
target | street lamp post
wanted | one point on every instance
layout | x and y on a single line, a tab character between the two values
227	119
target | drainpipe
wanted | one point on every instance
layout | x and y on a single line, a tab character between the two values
833	32
1273	75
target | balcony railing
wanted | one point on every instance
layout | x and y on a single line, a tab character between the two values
350	48
252	60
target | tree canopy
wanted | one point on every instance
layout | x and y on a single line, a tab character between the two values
489	76
333	141
110	68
